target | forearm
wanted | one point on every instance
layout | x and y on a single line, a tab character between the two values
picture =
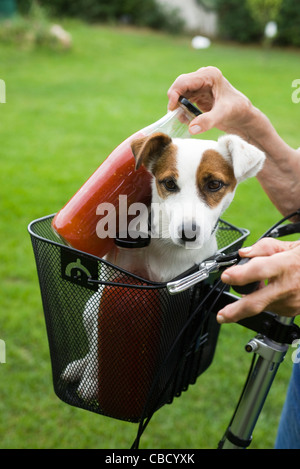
280	177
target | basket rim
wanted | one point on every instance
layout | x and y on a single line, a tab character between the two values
96	258
243	232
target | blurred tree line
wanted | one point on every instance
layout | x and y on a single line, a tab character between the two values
245	20
141	13
239	20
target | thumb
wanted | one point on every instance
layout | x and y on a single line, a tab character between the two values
204	122
249	305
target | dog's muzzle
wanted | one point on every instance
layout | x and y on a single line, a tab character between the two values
189	233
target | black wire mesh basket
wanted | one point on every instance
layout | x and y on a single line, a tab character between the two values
122	346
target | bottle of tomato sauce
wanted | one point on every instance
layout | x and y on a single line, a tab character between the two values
76	223
129	332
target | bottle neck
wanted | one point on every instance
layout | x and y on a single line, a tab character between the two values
175	123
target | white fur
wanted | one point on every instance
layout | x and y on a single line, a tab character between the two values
167	255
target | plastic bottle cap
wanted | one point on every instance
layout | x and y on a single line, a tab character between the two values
190	107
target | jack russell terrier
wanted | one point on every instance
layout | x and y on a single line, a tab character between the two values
194	182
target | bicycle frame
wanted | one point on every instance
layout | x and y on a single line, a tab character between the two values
270	346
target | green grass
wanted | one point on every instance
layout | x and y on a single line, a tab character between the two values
65	112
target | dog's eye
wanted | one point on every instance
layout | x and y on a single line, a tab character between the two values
170	185
215	185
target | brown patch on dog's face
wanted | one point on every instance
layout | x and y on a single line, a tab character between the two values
165	172
146	150
215	178
158	154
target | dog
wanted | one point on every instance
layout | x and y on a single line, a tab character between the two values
194	182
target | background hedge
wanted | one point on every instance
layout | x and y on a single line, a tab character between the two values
289	23
236	22
141	13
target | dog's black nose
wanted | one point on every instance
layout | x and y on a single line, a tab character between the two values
189	233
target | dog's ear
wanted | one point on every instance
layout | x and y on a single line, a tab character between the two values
246	159
147	149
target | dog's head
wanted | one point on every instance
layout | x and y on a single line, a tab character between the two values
194	182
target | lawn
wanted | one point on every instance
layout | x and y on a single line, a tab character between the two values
64	113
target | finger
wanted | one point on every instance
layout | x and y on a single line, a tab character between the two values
179	88
257	269
267	247
204	122
173	96
187	85
248	306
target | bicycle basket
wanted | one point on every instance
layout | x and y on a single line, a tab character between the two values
120	346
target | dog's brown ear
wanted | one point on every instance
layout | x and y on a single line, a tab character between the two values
147	149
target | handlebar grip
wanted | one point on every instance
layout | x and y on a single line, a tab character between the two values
250	287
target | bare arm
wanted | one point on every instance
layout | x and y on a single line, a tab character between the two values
280	177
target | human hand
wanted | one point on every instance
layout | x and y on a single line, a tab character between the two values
223	106
276	261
